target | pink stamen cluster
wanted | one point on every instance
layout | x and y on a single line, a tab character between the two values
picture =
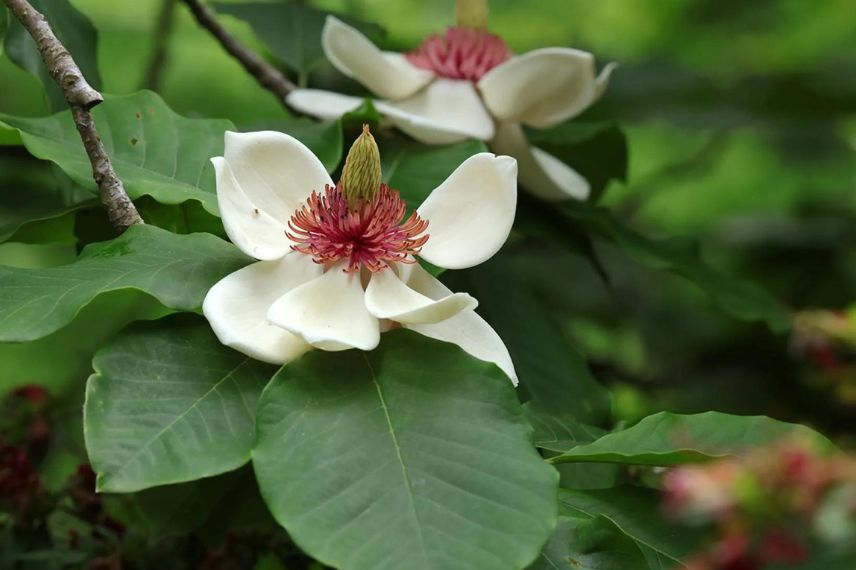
463	53
372	235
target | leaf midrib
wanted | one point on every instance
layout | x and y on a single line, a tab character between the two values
619	526
400	458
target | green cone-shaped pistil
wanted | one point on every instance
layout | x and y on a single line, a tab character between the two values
471	14
361	176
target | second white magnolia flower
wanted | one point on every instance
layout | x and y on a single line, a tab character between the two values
467	84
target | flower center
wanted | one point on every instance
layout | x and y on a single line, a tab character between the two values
370	235
463	53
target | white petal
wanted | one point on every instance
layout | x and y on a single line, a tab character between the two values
328	312
384	73
387	297
543	87
472	333
249	227
466	329
276	171
603	79
237	307
470	214
446	111
322	104
566	179
540	172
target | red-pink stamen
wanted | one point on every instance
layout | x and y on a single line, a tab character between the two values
371	236
463	53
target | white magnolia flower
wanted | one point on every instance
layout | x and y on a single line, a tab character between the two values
464	85
337	261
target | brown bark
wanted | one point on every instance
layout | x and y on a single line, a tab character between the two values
81	98
266	74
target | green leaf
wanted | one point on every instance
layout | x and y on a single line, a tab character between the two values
415	170
187	218
177	270
4	26
9	136
552	372
744	300
169	403
324	138
155	151
208	507
556	432
636	512
30	192
597	150
365	113
71	349
674	439
414	456
290	30
582	543
76	33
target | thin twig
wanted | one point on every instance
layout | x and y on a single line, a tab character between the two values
81	98
163	31
267	75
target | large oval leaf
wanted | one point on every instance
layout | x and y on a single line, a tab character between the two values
582	543
71	349
555	432
30	192
155	151
412	456
168	403
636	512
673	439
176	269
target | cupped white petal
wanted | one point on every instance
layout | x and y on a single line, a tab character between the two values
322	104
541	173
471	213
466	329
446	111
249	227
237	306
543	87
328	312
388	297
384	73
276	171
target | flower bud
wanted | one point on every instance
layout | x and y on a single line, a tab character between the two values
361	176
471	14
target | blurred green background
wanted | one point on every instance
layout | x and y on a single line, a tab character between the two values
741	121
